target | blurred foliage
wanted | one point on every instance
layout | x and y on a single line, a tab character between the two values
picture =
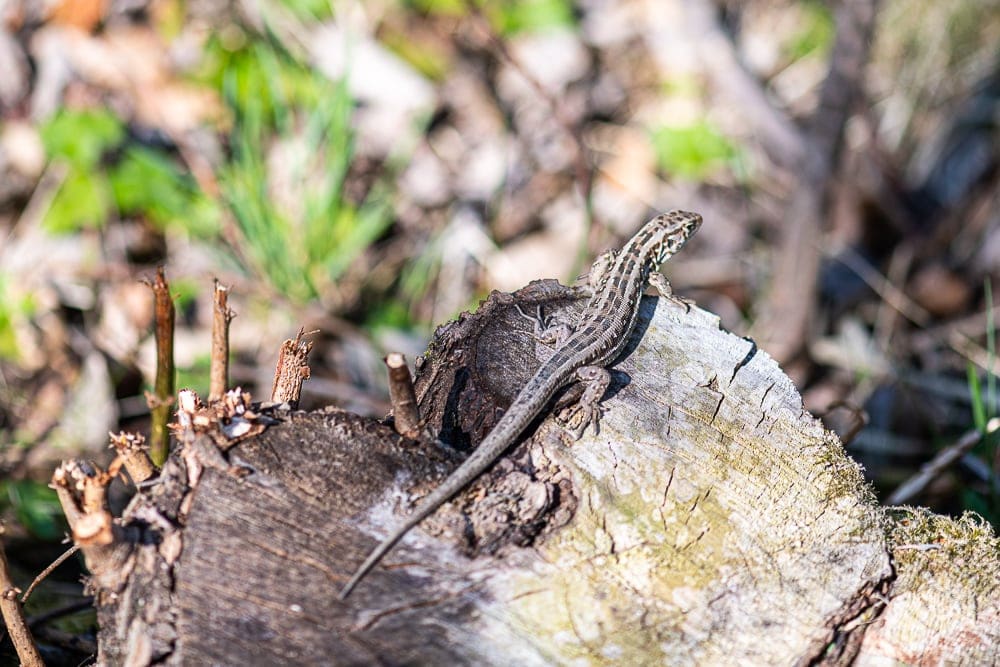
388	315
991	344
303	235
15	306
145	182
694	151
438	7
300	240
196	376
83	200
142	182
255	75
983	410
315	10
36	507
79	139
510	17
185	291
979	407
418	276
815	36
431	58
507	16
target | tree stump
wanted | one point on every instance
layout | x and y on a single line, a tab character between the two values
710	521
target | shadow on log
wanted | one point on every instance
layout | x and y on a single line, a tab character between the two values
712	520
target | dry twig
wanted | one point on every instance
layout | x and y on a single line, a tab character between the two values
221	317
292	369
160	402
48	570
944	459
405	412
13	616
788	313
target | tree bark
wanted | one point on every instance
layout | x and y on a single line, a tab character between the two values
712	520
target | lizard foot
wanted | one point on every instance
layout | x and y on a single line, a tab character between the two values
576	418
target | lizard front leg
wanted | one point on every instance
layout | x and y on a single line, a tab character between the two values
659	282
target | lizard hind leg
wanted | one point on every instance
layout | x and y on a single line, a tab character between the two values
587	411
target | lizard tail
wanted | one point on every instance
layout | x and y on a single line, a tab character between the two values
530	400
375	556
424	509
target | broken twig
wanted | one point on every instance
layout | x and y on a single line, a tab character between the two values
404	399
292	369
221	317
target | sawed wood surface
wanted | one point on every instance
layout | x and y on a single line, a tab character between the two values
711	521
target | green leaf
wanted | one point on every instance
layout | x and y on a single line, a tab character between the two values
82	201
81	137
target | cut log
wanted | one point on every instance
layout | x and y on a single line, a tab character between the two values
710	521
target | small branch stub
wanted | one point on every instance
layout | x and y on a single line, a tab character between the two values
131	448
404	399
221	317
82	490
292	369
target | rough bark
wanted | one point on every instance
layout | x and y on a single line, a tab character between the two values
712	520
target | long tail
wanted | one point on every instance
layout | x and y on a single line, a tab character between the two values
529	401
388	543
478	461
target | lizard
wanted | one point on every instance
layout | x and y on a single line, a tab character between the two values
617	281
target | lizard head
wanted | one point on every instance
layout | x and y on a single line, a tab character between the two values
667	234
